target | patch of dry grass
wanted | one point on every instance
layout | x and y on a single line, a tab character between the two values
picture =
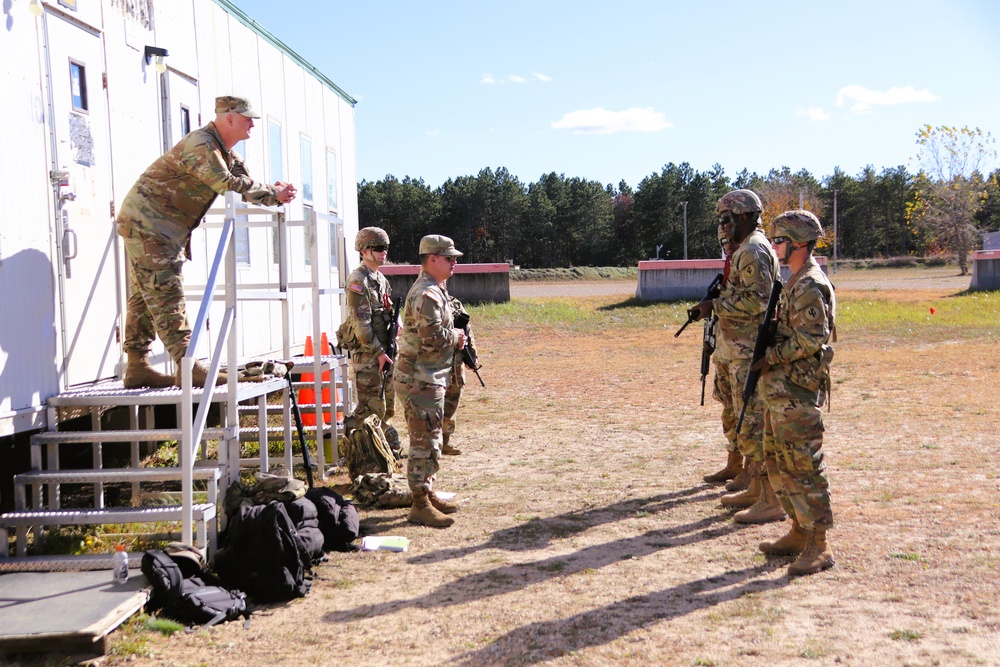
586	536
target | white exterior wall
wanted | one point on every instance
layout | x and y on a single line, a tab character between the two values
211	52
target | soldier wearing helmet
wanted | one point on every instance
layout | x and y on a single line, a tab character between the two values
794	384
369	311
751	269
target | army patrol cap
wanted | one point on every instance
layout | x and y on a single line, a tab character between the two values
738	202
800	226
240	105
435	244
370	236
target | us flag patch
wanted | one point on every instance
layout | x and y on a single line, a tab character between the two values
357	287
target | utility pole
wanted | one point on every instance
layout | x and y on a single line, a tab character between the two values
685	205
834	231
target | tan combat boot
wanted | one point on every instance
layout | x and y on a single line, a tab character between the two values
425	514
767	508
447	449
748	497
732	469
741	481
138	373
816	557
791	543
199	375
442	505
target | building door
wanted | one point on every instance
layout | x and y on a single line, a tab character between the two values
181	112
86	238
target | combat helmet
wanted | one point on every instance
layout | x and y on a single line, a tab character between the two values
738	202
370	236
800	226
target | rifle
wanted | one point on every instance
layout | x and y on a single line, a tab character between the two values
765	336
714	289
393	347
297	413
707	348
469	356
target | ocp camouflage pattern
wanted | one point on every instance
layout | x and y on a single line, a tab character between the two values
743	298
369	311
794	389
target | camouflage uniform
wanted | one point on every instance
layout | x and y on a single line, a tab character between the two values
794	388
740	309
156	220
426	359
457	379
369	307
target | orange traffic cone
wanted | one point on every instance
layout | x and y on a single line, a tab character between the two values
325	349
307	395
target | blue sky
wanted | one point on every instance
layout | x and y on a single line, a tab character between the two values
615	90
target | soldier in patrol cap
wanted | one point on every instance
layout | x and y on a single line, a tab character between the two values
751	269
156	219
794	384
369	312
426	353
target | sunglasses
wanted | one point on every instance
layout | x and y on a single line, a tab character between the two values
725	219
778	240
448	258
378	248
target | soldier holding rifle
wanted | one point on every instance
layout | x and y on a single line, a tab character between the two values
752	269
794	384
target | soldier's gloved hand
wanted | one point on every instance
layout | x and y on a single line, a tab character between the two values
701	310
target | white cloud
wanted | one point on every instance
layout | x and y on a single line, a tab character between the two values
433	133
864	99
602	121
813	113
514	78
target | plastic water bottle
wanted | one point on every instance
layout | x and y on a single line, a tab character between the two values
119	565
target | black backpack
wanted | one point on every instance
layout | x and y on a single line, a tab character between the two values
338	519
264	554
189	595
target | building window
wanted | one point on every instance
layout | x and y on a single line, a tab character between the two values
333	244
78	86
331	180
186	122
305	147
275	172
242	235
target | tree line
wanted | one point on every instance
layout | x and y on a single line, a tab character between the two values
561	221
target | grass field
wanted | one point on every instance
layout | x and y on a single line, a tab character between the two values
586	536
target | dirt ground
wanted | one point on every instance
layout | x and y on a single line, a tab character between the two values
586	536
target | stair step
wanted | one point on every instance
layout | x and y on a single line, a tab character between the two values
91	516
252	434
280	409
66	563
144	435
211	473
112	392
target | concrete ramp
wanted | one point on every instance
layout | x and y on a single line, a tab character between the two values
66	612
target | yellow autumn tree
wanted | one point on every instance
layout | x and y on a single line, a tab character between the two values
951	186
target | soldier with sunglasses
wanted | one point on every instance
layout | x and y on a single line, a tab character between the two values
369	309
794	385
752	268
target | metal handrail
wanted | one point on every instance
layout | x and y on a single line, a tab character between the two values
193	425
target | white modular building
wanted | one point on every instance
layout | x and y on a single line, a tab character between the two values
93	92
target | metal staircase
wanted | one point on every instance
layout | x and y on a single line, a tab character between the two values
39	496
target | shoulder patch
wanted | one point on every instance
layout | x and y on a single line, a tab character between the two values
357	287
